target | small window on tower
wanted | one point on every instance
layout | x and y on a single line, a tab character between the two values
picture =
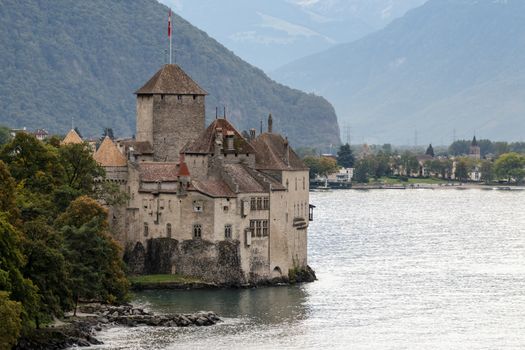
197	231
179	97
194	97
198	206
228	231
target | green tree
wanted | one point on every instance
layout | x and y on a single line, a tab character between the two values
487	171
409	163
5	135
80	169
321	166
96	268
361	171
33	162
345	157
10	322
462	169
510	166
459	147
8	194
11	279
430	151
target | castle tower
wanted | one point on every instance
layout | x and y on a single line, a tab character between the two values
170	112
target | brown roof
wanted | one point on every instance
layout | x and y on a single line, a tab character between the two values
205	143
171	80
109	155
270	154
71	138
248	180
139	147
213	188
157	171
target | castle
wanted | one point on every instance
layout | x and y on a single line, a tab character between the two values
205	202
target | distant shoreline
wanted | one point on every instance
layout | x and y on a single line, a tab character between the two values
415	186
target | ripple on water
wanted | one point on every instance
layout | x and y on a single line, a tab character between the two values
397	269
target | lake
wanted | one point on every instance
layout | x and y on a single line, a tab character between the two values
397	269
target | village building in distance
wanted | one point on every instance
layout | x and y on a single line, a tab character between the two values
206	202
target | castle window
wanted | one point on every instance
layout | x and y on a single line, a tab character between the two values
225	208
253	205
198	206
265	228
259	203
145	203
179	97
168	230
296	184
197	231
227	231
266	203
252	227
161	204
162	97
194	97
304	183
146	229
258	225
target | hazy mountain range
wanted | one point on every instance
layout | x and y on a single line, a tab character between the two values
447	65
65	61
271	33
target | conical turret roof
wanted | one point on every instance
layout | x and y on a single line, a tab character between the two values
109	155
171	80
72	137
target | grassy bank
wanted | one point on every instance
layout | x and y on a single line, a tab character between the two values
162	279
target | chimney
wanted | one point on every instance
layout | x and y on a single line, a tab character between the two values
229	140
252	134
270	124
218	141
286	152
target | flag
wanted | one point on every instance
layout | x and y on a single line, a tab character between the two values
169	24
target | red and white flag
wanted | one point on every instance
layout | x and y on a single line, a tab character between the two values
169	24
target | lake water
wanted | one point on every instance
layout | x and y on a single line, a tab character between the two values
397	269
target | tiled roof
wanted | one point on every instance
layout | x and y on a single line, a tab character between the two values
171	80
271	154
248	180
158	171
213	188
205	143
109	155
71	138
139	147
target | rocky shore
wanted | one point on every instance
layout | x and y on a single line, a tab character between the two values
81	330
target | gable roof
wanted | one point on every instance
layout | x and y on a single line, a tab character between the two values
109	155
213	188
158	171
247	180
72	137
271	154
205	143
171	80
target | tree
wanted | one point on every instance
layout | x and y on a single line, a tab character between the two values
80	169
345	157
33	162
96	269
5	135
11	279
487	171
8	193
459	147
430	151
10	322
409	163
361	171
321	166
511	166
462	170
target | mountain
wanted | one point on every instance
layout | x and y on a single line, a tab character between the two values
67	60
271	33
449	66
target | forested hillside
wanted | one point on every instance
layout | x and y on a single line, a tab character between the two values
70	60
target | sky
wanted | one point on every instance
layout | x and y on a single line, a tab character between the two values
272	33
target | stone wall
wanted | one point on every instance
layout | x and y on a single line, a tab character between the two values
177	119
212	262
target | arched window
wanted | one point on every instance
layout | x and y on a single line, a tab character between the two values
146	229
197	231
168	230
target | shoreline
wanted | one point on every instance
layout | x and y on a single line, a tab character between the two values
91	318
425	186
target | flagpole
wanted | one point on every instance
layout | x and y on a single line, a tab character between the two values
169	33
